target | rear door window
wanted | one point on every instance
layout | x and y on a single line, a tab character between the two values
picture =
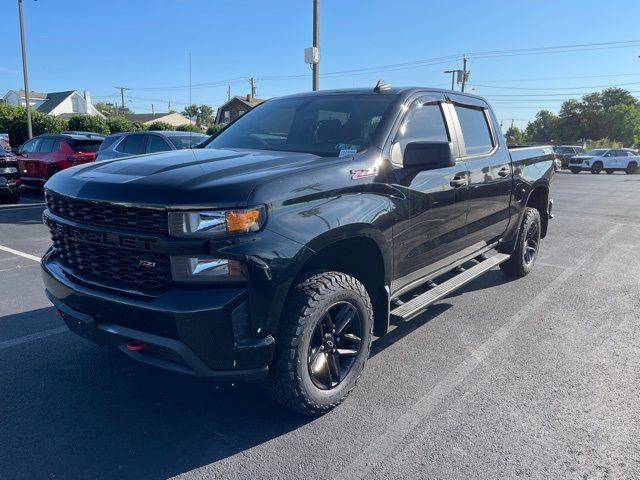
475	129
157	144
47	145
133	144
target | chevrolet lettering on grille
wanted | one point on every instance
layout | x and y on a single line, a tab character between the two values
99	238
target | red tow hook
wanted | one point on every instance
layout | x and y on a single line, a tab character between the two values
135	346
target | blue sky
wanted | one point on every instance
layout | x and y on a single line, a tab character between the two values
145	45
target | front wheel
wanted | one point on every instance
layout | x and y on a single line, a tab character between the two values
596	168
631	168
323	342
527	246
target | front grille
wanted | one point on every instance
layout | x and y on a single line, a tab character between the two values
116	264
106	214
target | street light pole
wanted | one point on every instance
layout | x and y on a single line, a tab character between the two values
316	43
453	76
24	70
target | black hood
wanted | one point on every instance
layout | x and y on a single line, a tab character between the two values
200	177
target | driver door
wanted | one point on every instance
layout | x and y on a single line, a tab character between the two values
433	213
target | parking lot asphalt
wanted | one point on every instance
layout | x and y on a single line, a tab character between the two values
532	378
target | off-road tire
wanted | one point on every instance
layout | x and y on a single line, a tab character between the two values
516	266
631	168
609	171
575	170
289	382
596	168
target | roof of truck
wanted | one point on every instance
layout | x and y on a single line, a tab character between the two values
404	91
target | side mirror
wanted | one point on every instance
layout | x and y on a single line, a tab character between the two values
428	155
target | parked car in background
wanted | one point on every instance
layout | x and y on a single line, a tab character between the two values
43	156
9	178
565	152
136	143
607	159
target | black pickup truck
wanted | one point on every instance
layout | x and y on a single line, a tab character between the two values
276	252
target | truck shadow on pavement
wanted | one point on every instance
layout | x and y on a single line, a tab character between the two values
69	409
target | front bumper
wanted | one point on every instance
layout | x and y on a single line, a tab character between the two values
197	330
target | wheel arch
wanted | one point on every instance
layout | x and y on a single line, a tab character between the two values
364	256
539	199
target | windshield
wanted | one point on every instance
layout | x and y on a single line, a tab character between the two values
598	152
326	125
188	140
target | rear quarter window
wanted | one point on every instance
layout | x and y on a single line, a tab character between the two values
110	140
475	130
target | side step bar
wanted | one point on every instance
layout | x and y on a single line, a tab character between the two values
416	305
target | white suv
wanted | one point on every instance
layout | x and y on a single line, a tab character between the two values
607	159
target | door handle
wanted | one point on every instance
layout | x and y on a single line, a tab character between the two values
458	181
504	171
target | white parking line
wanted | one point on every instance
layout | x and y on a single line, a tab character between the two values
30	338
19	253
397	432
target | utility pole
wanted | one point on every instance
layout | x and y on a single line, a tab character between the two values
122	89
24	70
316	44
464	71
229	92
252	81
152	110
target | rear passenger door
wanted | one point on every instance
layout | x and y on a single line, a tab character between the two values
489	170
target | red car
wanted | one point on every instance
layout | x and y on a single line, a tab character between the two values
44	155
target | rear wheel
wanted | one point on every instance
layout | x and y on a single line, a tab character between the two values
609	171
631	168
527	246
575	170
596	168
323	342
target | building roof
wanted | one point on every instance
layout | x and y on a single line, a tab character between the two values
32	95
250	101
150	117
53	100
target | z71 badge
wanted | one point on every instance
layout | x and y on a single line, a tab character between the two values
357	173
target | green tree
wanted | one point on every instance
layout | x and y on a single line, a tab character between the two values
515	136
89	123
109	109
202	114
623	123
569	127
543	128
160	126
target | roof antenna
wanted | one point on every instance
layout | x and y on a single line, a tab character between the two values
381	86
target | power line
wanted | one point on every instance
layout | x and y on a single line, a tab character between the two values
419	63
502	87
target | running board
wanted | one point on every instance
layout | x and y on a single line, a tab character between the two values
415	306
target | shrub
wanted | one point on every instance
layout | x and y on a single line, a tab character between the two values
189	127
215	128
119	123
89	123
160	126
41	123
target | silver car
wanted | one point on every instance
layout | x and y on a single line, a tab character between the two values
137	143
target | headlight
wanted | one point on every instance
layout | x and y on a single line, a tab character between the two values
206	269
8	170
216	223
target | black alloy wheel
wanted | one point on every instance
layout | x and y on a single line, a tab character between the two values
334	346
